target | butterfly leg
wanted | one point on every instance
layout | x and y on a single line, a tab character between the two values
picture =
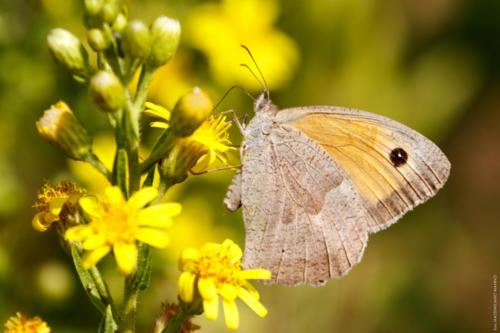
232	200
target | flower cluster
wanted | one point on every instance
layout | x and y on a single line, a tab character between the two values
23	324
215	269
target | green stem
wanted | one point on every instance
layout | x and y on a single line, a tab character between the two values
103	290
185	312
127	324
142	88
93	160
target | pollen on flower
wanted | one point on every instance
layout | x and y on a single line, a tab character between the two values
216	270
23	324
51	201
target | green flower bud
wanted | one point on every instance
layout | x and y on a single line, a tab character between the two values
110	11
93	7
190	112
183	157
97	40
136	41
60	127
107	91
165	35
120	23
68	51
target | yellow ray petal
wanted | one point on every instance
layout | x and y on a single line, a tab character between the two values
78	233
56	205
228	292
159	215
255	274
252	302
231	316
142	197
186	286
114	195
211	308
94	241
92	257
159	124
90	206
153	237
207	289
39	223
126	257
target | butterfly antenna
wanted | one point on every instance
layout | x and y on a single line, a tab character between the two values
255	76
258	69
227	93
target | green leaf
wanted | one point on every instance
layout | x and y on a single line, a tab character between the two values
142	276
87	281
108	324
120	170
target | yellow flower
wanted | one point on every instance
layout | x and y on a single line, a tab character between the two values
22	324
52	201
218	29
117	224
216	270
213	135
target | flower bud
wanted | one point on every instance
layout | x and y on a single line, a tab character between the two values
110	11
190	112
107	91
120	23
165	35
97	40
136	41
68	51
93	7
183	157
60	127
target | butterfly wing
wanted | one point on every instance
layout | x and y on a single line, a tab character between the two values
393	167
304	220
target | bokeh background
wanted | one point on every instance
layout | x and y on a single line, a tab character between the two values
431	64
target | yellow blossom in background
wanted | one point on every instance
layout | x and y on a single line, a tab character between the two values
22	324
215	269
51	201
219	29
213	135
117	224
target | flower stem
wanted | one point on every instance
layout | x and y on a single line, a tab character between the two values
103	290
93	160
127	324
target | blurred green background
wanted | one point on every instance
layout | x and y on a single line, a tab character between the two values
431	64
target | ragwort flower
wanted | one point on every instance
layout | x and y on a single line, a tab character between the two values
52	201
213	135
216	270
117	224
22	324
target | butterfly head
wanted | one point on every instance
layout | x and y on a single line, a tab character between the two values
263	104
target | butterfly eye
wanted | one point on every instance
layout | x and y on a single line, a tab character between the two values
398	157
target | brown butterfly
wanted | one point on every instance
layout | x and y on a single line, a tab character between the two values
317	180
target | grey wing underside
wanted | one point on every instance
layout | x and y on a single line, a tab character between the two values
304	220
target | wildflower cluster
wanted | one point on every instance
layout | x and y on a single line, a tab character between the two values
130	217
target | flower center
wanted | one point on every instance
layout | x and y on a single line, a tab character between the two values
219	268
119	224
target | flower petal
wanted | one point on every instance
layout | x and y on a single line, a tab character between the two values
159	124
142	197
207	289
211	308
94	241
252	302
91	206
78	233
255	274
159	215
228	292
56	205
39	222
231	316
126	257
92	257
186	286
155	110
114	195
154	237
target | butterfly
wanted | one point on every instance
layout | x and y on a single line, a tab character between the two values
316	181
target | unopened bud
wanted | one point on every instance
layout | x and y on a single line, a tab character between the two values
68	51
120	23
165	37
60	127
97	40
110	11
93	7
182	158
107	91
190	112
136	40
